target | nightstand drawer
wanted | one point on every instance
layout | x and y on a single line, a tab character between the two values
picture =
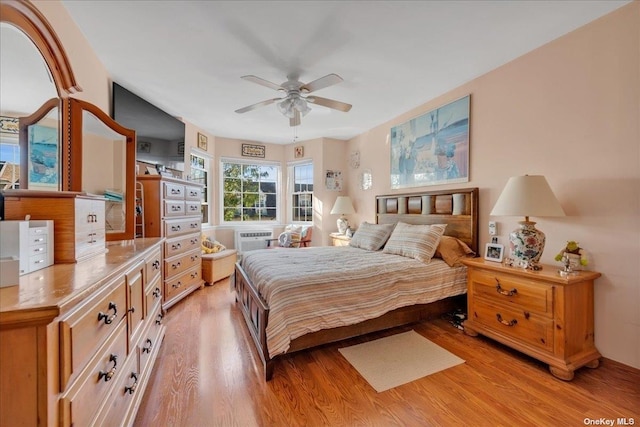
504	289
523	326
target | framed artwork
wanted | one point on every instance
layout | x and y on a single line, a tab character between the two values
202	141
433	148
494	252
43	158
144	147
298	152
333	180
253	150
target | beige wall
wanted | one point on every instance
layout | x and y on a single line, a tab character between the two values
569	110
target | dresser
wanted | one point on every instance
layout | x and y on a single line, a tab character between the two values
540	313
172	209
78	220
79	341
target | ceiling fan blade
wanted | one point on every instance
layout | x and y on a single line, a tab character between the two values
257	105
263	82
295	121
326	102
321	83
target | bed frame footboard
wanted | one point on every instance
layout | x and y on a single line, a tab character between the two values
256	315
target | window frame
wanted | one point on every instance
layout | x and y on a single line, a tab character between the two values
291	181
262	163
208	160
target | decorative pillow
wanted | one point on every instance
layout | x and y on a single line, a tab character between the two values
291	236
371	237
452	250
211	246
415	241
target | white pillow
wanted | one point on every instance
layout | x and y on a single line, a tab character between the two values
415	241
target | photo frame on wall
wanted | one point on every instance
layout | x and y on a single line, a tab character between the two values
202	141
433	148
43	157
253	150
298	152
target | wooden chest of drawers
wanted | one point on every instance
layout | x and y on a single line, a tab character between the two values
78	220
79	341
172	210
539	313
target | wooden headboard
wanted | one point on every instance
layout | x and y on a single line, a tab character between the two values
457	208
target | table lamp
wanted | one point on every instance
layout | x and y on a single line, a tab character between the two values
343	206
528	195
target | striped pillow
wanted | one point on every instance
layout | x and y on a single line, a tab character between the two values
371	237
415	241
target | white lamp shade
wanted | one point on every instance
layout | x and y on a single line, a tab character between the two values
343	206
528	195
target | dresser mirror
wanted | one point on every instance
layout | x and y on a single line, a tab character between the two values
36	81
104	165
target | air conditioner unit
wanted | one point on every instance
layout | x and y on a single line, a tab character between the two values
249	240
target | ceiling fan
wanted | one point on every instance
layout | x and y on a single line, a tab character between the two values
294	103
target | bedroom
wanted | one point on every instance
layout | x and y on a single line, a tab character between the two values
584	113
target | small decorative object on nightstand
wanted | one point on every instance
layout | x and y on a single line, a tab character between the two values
540	313
339	239
343	206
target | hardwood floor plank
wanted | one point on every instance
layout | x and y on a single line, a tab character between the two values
208	374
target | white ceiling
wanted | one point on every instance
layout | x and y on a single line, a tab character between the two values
187	57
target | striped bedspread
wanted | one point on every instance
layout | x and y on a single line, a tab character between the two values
317	288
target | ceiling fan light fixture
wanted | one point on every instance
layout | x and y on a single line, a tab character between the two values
301	105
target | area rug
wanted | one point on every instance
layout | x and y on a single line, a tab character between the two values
398	359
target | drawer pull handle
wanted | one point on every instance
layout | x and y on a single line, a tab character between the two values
504	322
194	225
501	291
156	292
176	265
132	388
175	228
194	241
156	264
108	375
194	274
38	240
176	246
159	319
132	310
194	257
176	285
109	319
146	349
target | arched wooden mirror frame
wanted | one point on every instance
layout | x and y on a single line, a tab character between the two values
77	107
24	16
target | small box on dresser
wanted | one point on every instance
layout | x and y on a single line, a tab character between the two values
172	209
540	313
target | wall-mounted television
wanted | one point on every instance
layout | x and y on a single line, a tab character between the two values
160	136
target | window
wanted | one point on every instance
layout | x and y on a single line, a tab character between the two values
249	191
301	185
200	174
9	161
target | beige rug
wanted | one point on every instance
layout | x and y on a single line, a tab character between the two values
398	359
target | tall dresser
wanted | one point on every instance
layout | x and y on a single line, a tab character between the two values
172	209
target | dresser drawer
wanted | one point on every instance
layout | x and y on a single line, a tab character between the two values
173	191
181	244
193	193
122	396
523	326
151	340
89	326
192	208
136	311
173	208
182	262
181	282
512	291
79	405
153	296
177	227
154	263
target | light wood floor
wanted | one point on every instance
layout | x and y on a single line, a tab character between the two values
207	374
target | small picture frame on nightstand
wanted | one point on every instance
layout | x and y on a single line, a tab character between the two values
494	252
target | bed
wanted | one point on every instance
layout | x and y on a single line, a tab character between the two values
291	302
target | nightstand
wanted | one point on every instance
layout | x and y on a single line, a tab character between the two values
338	239
539	313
